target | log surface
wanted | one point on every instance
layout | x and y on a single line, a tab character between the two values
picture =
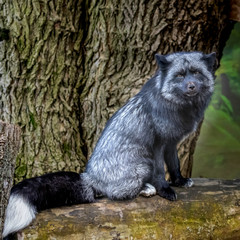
209	210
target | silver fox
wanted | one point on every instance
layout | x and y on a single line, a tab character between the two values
129	156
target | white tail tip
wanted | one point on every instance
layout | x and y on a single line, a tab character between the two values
19	214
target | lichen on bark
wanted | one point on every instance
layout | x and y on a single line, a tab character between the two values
41	74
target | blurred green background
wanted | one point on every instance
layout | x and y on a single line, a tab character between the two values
217	154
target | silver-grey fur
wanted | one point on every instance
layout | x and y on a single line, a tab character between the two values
129	157
143	134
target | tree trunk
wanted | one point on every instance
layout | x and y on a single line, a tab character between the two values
42	70
9	145
67	66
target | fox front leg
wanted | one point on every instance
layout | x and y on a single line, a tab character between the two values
173	165
158	178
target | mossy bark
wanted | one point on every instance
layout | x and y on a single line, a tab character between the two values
209	210
9	145
67	66
41	73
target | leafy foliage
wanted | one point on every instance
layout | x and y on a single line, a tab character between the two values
218	149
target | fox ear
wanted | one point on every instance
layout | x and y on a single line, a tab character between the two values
161	61
210	60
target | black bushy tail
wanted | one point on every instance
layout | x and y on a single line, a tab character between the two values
48	191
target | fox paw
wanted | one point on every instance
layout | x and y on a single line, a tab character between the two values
148	190
183	182
168	193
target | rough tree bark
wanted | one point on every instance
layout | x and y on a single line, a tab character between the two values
9	145
41	68
67	66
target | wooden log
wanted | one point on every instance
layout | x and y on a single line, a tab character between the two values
209	210
9	145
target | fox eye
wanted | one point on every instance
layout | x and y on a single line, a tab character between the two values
196	72
180	75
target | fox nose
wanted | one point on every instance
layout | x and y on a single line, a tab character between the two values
191	86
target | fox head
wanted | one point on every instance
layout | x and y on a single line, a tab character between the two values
186	77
